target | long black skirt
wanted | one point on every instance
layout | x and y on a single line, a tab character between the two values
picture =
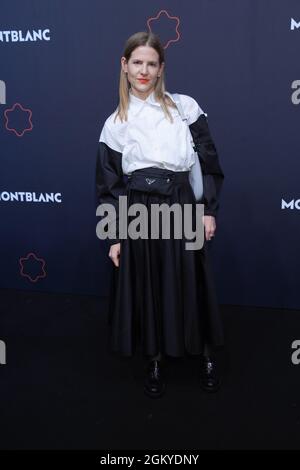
162	296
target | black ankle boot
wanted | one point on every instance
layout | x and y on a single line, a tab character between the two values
154	385
209	379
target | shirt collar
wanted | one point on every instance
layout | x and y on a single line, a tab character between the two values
137	103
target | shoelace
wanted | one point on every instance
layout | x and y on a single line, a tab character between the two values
155	373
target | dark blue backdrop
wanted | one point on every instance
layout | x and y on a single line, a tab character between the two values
238	59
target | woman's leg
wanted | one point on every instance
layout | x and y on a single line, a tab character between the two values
158	357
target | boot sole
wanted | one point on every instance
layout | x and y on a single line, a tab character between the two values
154	395
211	389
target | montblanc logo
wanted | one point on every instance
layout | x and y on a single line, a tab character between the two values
23	196
293	204
25	36
294	24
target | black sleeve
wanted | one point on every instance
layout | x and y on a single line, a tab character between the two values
109	180
212	173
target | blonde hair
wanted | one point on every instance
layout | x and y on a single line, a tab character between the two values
143	39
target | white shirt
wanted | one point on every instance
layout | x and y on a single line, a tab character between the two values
148	138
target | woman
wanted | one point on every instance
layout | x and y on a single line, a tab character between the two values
162	295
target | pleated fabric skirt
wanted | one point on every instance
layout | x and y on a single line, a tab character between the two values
162	296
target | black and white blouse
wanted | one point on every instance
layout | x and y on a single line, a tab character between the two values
148	139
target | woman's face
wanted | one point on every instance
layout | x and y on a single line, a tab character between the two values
142	70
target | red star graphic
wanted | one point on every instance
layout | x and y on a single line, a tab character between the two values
173	18
42	263
23	110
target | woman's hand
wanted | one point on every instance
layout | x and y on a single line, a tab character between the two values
209	223
114	253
